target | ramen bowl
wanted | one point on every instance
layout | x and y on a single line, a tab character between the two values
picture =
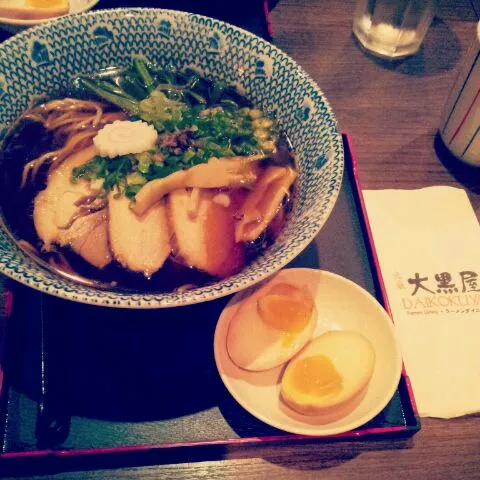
44	59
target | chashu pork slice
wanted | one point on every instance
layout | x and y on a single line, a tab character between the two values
88	236
203	224
56	218
140	243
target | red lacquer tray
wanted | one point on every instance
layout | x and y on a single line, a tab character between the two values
101	384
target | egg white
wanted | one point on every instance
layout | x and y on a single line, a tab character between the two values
14	3
19	9
253	345
353	357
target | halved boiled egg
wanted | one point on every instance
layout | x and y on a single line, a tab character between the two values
332	370
271	326
33	9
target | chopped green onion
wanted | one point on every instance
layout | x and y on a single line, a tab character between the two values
210	118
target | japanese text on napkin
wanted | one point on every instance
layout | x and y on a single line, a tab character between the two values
428	246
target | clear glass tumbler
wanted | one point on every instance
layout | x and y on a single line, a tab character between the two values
392	29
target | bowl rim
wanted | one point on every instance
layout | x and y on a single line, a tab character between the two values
153	300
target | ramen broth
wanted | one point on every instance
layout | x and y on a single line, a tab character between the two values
29	139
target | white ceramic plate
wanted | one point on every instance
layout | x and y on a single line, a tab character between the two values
15	24
341	305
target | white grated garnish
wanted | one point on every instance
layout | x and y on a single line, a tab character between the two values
123	137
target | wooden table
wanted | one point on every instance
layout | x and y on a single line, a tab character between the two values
391	111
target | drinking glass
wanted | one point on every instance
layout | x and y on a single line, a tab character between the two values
392	29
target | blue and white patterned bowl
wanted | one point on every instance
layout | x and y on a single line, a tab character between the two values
45	58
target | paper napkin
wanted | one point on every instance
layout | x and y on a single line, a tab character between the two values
428	245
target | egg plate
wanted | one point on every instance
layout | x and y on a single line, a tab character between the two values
14	25
341	305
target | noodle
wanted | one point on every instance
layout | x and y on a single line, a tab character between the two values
28	247
56	157
75	121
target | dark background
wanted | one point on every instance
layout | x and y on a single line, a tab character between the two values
248	14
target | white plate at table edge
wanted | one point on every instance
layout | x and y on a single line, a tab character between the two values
259	392
19	22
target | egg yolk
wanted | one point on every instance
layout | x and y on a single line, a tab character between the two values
286	308
45	3
317	376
